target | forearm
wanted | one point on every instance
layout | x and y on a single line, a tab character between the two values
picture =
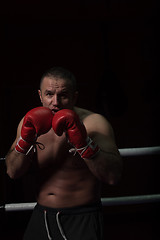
17	163
106	166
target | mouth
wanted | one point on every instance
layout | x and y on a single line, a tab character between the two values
54	111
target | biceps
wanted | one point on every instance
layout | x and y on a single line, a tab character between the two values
105	142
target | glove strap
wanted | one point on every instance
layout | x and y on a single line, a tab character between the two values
24	147
87	152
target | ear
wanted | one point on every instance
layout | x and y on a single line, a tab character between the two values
40	95
75	97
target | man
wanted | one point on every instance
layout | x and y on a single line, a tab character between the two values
73	151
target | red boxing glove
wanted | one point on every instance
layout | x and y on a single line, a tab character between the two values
36	122
68	121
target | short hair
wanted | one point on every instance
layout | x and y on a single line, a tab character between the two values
60	72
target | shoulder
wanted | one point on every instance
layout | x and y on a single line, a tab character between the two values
94	122
83	113
19	128
17	135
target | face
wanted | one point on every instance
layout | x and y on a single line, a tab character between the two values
56	94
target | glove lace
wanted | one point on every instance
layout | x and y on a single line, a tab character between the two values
81	150
40	146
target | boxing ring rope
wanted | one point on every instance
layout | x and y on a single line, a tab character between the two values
128	152
111	201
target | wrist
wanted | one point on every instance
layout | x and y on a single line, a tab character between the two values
23	146
90	150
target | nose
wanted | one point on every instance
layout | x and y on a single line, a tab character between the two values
55	100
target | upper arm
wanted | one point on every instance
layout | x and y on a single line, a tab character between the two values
101	131
18	134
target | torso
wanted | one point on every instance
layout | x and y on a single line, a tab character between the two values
64	180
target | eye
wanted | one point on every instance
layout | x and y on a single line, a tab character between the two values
49	94
64	96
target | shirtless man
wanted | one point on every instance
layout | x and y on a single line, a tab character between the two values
76	152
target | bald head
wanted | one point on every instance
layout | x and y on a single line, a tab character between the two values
61	73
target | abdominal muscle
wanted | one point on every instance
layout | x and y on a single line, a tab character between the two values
63	180
60	193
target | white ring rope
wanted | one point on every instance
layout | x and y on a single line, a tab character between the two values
111	201
127	152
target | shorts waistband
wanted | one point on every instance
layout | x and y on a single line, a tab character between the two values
71	210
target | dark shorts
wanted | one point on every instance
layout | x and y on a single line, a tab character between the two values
77	223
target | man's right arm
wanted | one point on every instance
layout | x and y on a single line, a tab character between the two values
17	163
36	122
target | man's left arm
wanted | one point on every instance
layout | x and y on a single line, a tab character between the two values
107	164
93	140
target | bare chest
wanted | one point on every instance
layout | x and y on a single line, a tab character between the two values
54	151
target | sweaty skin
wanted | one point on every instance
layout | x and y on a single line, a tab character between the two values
64	179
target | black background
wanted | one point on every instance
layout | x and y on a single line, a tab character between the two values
111	47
